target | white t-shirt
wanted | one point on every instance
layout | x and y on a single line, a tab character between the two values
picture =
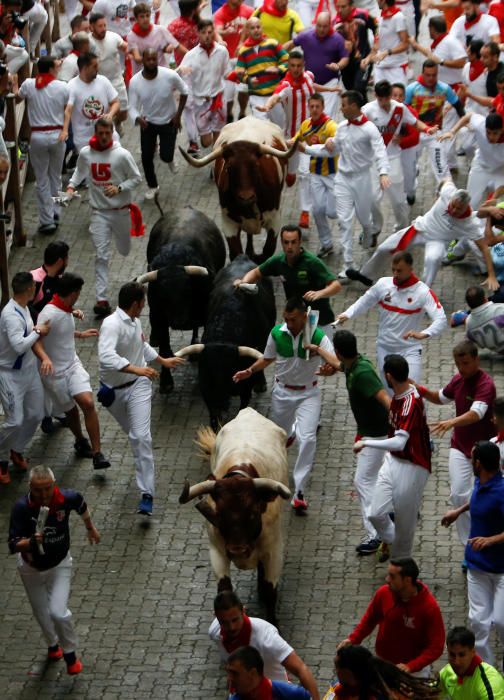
389	123
438	225
68	68
388	37
268	642
207	77
118	14
109	64
46	107
154	99
449	49
489	156
158	38
60	346
477	87
486	27
90	102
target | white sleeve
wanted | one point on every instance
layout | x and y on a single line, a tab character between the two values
319	150
270	352
365	302
134	178
326	344
408	117
15	327
134	102
81	171
273	645
436	313
444	399
380	152
400	22
149	352
109	357
180	85
392	444
479	407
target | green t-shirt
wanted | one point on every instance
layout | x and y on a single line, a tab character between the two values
307	273
363	383
486	683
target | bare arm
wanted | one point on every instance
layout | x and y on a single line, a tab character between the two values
257	366
491	281
383	398
293	664
329	290
250	277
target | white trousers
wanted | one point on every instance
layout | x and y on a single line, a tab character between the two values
276	115
437	153
300	164
298	410
369	462
37	18
71	9
353	196
132	410
331	99
395	194
434	253
399	489
189	120
48	593
409	168
46	156
482	181
15	57
485	592
450	118
413	357
105	225
22	398
461	485
394	74
324	205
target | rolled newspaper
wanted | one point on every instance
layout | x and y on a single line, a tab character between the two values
41	521
309	329
248	288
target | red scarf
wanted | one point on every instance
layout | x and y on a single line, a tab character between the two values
93	142
389	12
412	279
477	660
57	500
476	68
209	49
466	213
321	120
338	19
254	42
270	8
264	691
438	40
472	22
141	32
58	302
43	79
500	436
75	52
243	638
421	80
361	119
137	225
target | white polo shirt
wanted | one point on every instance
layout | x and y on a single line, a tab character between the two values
388	37
154	99
208	70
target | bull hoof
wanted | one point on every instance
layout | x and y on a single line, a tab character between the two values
260	387
166	388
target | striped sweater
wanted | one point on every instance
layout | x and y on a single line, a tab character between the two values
255	60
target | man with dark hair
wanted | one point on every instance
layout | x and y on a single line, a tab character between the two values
46	276
122	351
410	625
473	392
245	672
467	676
474	24
484	552
232	628
69	387
370	404
21	390
390	52
62	47
146	35
485	324
302	273
296	398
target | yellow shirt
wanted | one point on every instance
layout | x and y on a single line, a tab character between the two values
280	28
319	134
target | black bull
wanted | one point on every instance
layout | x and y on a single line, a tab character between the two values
178	299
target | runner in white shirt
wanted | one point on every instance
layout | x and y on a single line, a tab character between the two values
153	108
498	413
474	24
62	47
209	65
450	217
109	47
69	68
123	355
145	35
91	96
112	175
46	99
69	387
118	14
390	54
359	146
402	301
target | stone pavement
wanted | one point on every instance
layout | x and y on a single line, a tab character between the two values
142	599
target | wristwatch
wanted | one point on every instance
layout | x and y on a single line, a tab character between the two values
37	331
119	188
441	62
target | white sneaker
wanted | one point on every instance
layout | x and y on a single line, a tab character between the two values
342	275
173	167
151	192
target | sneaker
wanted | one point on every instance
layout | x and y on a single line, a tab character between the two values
54	653
463	566
325	251
458	318
47	426
75	668
193	148
145	505
47	229
56	218
356	276
102	309
173	167
99	461
4	473
299	504
451	257
411	199
18	460
151	192
368	546
383	552
304	219
83	448
342	275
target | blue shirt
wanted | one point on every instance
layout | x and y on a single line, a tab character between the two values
430	102
497	253
487	518
282	691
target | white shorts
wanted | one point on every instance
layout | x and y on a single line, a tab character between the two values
209	121
63	387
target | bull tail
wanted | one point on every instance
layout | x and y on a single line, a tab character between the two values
158	205
205	440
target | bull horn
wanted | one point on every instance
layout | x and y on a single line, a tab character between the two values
201	162
272	485
190	350
207	511
196	270
147	277
245	351
190	492
268	150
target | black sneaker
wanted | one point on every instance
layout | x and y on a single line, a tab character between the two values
102	309
368	546
47	229
100	462
193	148
356	276
83	448
47	425
411	199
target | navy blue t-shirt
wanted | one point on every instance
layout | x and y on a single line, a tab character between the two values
487	519
56	541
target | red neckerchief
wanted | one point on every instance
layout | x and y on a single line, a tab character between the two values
476	68
141	32
264	691
209	49
389	12
477	660
339	19
438	40
58	302
296	84
361	119
412	279
43	79
321	120
243	638
93	142
57	500
75	52
421	80
466	213
254	42
500	436
270	8
472	22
